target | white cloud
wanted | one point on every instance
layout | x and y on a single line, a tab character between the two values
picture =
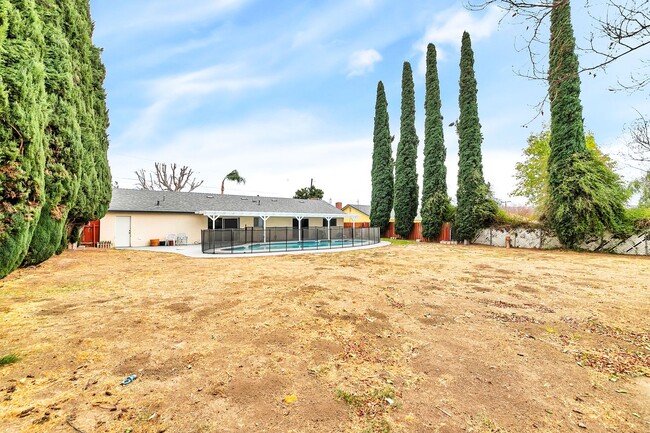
180	92
447	28
146	15
362	62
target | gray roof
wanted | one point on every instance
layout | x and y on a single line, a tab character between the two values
365	208
134	200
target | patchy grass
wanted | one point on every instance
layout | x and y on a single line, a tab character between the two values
372	407
398	241
9	359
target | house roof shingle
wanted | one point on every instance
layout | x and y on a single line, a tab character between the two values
364	208
134	200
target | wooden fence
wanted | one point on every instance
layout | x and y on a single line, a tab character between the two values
90	234
416	232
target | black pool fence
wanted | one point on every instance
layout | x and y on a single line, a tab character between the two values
275	239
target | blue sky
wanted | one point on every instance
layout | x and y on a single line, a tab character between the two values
284	90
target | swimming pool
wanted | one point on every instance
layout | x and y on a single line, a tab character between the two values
295	245
285	239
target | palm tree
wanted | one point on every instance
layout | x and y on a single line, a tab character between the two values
234	176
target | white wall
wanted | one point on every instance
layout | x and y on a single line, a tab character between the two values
147	226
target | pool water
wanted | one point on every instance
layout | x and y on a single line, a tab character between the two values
294	245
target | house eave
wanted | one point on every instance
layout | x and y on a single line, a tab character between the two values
216	214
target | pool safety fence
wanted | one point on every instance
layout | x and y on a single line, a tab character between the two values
277	239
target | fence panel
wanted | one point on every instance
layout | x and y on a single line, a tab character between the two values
255	239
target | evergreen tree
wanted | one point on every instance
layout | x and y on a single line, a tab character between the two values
95	188
434	177
585	197
63	137
475	206
406	177
23	113
381	203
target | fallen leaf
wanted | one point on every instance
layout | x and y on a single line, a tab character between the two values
290	399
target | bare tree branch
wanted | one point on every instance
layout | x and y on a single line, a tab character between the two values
639	145
143	183
168	181
621	28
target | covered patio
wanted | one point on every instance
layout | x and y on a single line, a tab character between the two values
274	237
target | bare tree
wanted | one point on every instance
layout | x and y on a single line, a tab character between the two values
172	180
620	28
639	145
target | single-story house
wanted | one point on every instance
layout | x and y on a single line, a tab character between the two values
362	212
135	217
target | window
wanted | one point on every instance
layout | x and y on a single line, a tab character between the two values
304	224
231	223
258	222
332	222
223	223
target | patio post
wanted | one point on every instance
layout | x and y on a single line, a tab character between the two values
299	218
264	218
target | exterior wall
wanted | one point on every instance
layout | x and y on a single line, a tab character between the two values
317	222
245	222
148	225
361	218
638	244
279	222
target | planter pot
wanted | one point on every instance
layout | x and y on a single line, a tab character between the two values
154	242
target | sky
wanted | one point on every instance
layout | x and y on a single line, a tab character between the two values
284	91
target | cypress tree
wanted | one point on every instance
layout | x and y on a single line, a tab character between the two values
585	197
381	203
63	137
95	191
474	205
23	112
406	177
434	177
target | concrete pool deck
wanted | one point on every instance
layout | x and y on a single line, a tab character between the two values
194	251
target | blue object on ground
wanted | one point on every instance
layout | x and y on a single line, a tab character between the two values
129	379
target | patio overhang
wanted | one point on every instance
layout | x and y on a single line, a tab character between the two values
214	215
218	214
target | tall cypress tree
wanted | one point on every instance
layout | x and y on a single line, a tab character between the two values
381	203
95	191
585	197
63	136
474	204
23	113
406	177
435	202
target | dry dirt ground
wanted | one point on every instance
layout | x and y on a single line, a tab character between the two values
406	338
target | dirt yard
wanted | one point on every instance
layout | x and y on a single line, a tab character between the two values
405	338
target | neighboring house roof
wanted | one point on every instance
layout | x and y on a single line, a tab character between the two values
363	208
134	200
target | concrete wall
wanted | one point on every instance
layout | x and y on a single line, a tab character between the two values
638	244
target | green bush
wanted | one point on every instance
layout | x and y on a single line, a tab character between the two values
588	201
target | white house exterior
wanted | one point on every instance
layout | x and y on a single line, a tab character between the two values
135	217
